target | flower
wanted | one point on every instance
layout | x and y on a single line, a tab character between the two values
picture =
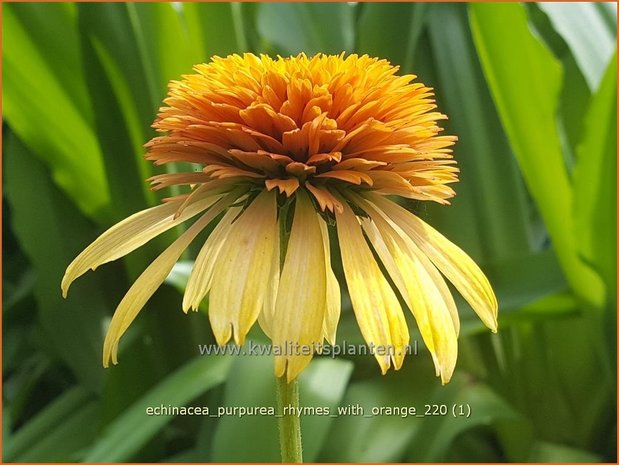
285	148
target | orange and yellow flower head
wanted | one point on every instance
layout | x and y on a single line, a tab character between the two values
284	150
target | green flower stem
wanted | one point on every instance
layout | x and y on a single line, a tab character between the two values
289	423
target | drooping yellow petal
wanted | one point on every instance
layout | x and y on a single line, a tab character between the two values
452	261
150	280
376	306
408	268
201	276
411	248
238	290
265	318
334	301
129	234
302	293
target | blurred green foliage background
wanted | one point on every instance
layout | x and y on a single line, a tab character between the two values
530	90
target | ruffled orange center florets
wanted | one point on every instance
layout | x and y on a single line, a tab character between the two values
326	123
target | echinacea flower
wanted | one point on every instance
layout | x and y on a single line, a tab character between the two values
285	149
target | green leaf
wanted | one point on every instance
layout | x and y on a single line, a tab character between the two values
115	27
525	279
321	373
73	326
584	29
134	428
360	434
64	442
437	433
116	125
527	103
46	106
166	40
406	23
39	427
259	434
497	200
307	27
215	28
547	452
595	182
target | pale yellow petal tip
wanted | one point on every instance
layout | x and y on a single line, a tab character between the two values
291	375
493	325
445	379
398	360
279	367
65	284
384	363
284	368
110	353
187	305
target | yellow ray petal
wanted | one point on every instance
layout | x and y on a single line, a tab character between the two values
408	268
265	318
409	247
302	294
452	261
238	290
129	234
334	303
148	282
201	276
376	306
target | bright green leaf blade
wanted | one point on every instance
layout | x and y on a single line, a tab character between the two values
527	103
129	432
584	29
307	27
41	211
595	182
62	51
41	110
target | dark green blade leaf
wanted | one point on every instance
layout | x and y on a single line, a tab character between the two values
307	27
122	153
546	452
66	440
38	428
51	231
398	42
498	198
